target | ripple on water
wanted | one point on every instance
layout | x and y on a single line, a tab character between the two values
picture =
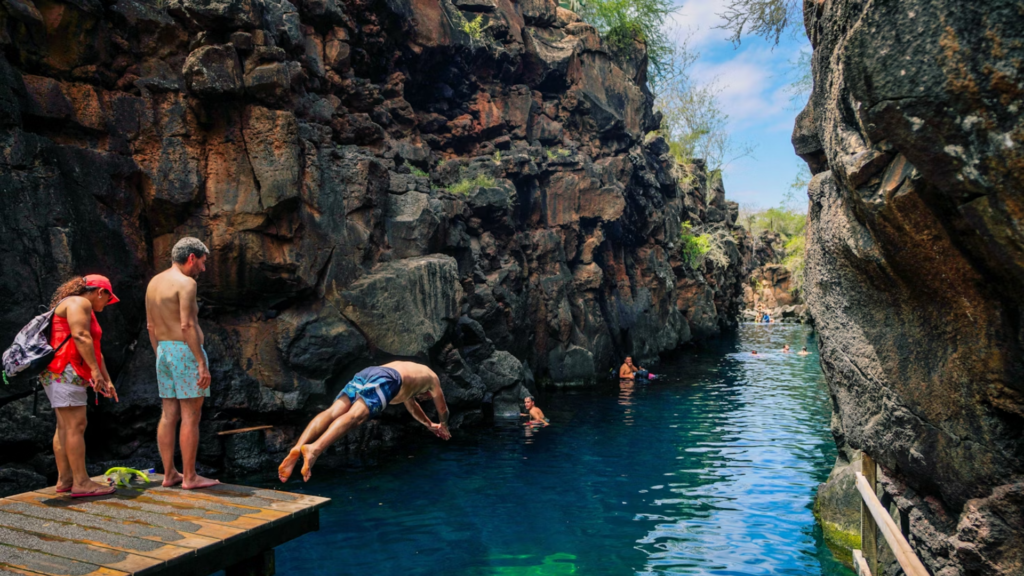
709	470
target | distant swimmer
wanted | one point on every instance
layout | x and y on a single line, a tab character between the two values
803	351
535	414
365	397
753	352
628	369
785	348
631	371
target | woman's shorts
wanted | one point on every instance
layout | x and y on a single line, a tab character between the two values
64	390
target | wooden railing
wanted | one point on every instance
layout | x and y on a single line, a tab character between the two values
875	518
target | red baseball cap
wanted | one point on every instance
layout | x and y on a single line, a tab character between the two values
102	282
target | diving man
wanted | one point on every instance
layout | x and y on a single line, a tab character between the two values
365	397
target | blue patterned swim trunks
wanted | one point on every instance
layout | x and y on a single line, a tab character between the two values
177	372
376	385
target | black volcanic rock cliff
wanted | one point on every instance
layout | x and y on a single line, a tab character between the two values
375	179
915	261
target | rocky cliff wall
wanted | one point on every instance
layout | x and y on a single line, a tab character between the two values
771	286
915	261
471	184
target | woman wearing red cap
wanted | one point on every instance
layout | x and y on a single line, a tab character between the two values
71	372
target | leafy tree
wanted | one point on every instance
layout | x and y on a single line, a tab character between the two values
621	22
769	19
795	198
791	226
694	124
802	80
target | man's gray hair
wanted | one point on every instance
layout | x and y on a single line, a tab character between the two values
186	247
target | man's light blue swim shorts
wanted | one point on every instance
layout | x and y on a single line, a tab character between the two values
177	372
376	385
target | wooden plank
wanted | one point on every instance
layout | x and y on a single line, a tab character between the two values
39	506
9	571
237	499
70	550
178	496
860	565
224	490
183	498
93	536
242	430
905	555
115	510
868	529
20	561
245	496
185	509
149	530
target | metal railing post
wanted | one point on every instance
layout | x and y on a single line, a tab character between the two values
868	528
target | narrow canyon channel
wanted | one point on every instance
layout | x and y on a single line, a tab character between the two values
711	469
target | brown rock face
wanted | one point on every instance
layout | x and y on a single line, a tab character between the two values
915	261
373	182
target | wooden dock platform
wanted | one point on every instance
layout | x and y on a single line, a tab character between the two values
152	531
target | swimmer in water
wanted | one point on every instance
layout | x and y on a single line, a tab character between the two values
803	351
535	414
630	371
785	349
753	353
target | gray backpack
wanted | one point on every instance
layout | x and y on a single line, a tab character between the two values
31	352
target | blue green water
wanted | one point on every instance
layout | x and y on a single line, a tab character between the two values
709	470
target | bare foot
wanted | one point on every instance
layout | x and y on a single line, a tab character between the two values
64	485
284	471
172	478
88	487
199	482
309	456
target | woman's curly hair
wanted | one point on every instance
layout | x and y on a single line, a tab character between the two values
74	287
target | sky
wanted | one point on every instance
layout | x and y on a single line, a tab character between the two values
753	78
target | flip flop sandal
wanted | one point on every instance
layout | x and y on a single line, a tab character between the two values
109	490
63	490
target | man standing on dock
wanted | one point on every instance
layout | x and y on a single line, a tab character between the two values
182	369
366	396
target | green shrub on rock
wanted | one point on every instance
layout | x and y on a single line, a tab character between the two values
693	247
466	185
475	27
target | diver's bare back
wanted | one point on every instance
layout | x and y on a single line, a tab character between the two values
416	379
163	304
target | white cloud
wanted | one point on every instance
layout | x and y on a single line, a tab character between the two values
753	78
752	89
696	20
